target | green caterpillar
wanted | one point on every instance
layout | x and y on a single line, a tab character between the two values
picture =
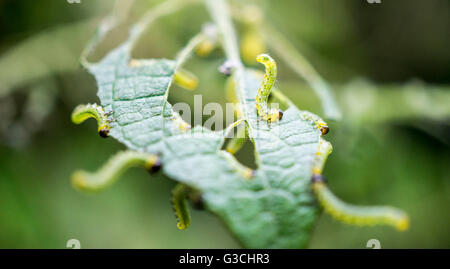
359	215
351	214
179	194
318	122
112	170
185	79
268	114
84	112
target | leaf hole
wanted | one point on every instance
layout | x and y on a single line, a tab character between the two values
246	154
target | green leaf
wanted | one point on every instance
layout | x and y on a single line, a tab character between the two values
135	97
271	207
275	208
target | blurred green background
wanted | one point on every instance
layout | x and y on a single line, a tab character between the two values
388	63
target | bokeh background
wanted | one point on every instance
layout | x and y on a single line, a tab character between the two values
392	54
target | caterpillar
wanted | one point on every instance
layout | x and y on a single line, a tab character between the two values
320	124
179	194
324	150
112	170
264	91
359	215
347	213
84	112
185	79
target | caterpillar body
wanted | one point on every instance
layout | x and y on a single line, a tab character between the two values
347	213
112	170
318	122
268	114
84	112
179	194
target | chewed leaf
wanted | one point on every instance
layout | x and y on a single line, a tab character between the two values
270	207
135	97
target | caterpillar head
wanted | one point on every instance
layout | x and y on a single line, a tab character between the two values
264	58
274	115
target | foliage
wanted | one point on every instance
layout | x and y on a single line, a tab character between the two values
272	206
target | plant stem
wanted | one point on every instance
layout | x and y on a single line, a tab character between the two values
220	13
